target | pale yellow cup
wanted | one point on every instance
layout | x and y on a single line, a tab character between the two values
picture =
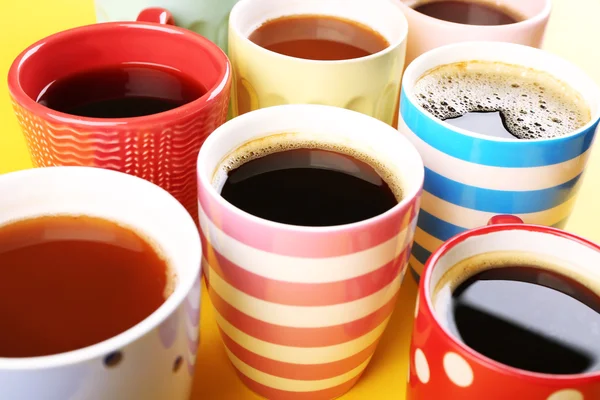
263	78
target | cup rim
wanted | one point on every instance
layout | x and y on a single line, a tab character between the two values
153	320
263	113
449	337
534	20
233	24
24	100
410	72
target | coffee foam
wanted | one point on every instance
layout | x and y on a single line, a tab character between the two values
469	267
279	142
171	283
534	104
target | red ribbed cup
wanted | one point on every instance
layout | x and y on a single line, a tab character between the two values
161	148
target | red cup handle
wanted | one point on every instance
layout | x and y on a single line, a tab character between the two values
157	15
504	219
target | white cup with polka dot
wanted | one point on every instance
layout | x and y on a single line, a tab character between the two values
443	367
153	360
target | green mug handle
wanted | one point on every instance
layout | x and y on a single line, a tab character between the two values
156	15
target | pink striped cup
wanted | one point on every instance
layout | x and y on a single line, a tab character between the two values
301	309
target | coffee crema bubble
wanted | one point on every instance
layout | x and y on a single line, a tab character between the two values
307	180
532	104
523	310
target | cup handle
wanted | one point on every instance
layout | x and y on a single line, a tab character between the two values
157	15
505	219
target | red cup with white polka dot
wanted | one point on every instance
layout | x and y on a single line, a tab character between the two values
444	367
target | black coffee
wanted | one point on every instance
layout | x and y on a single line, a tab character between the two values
528	318
502	100
121	91
468	12
308	187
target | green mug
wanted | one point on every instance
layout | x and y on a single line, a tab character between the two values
208	18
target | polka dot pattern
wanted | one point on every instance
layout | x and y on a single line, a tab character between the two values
567	394
421	366
113	359
458	370
177	363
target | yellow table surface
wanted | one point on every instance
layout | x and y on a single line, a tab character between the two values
572	34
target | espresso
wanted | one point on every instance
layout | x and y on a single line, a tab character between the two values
523	312
67	282
121	91
468	12
318	37
502	100
307	183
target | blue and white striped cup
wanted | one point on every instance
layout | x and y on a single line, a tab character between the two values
470	177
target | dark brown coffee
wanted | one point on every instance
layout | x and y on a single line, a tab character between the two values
526	315
67	282
318	37
502	100
121	91
469	12
308	184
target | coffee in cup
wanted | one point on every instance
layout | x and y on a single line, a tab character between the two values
508	310
71	281
99	292
435	23
307	214
471	12
502	100
502	129
343	53
318	37
287	179
121	91
523	310
134	97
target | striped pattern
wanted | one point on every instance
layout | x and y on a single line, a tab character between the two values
301	313
468	179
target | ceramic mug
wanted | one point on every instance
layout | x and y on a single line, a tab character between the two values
157	356
427	33
301	309
264	78
444	367
208	18
162	147
469	177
